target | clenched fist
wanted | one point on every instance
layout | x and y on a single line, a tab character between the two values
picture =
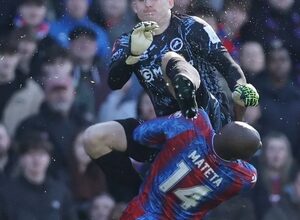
245	95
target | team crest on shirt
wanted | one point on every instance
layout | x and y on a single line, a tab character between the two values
176	44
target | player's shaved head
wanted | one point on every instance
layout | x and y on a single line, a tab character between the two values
237	140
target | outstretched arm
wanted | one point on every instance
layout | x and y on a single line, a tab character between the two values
207	44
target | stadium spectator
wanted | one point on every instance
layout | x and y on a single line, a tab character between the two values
237	208
206	13
252	60
277	20
101	207
32	14
60	118
275	169
234	16
182	6
34	195
19	97
57	62
8	11
27	47
118	105
117	211
87	180
145	109
6	160
89	73
279	99
114	15
288	207
76	15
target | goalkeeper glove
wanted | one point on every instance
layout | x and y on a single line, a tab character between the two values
245	95
141	39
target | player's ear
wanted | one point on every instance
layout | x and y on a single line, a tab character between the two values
171	3
133	6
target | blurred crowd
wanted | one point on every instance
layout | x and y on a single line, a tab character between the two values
54	59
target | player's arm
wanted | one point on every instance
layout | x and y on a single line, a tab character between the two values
233	74
119	72
250	178
152	132
207	44
244	94
127	52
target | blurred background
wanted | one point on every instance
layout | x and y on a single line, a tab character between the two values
54	57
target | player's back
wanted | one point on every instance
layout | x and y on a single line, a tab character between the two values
187	179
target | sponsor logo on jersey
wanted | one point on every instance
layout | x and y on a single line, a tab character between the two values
151	75
176	44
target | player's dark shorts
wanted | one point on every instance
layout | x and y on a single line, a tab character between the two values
135	150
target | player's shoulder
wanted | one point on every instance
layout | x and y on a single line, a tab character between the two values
188	20
121	41
246	165
247	170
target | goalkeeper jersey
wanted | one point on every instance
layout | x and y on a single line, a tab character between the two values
187	178
190	37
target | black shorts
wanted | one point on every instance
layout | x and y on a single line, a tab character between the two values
135	150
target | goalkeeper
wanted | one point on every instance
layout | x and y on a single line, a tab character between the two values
183	49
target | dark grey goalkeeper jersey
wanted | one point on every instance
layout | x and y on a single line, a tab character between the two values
188	36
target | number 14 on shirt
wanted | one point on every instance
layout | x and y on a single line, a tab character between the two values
191	196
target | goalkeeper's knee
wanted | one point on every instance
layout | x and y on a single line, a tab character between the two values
174	64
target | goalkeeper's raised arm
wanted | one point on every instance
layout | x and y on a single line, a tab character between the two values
127	51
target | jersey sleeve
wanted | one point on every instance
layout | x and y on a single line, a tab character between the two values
157	131
119	71
250	177
152	132
206	44
202	37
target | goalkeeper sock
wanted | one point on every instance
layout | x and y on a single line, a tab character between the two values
122	179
